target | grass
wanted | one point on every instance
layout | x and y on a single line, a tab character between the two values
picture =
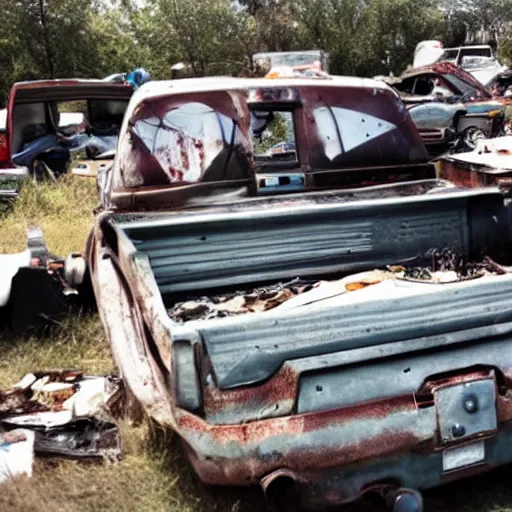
64	211
153	476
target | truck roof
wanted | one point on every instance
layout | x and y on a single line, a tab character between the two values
156	89
68	89
169	87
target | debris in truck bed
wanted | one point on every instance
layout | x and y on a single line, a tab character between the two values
238	302
447	266
444	266
67	410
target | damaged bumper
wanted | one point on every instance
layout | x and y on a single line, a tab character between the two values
457	427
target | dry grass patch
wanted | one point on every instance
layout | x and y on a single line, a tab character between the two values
78	342
63	210
153	477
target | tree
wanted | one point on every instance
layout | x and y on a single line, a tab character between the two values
51	37
396	26
476	20
207	34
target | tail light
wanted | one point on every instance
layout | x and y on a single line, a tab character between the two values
4	150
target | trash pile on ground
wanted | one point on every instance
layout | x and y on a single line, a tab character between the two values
59	413
442	266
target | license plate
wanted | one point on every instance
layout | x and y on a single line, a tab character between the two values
463	456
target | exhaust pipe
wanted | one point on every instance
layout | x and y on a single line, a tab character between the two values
404	500
277	482
280	490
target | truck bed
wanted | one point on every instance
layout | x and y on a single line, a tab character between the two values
222	251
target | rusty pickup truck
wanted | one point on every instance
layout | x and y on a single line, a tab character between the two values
328	321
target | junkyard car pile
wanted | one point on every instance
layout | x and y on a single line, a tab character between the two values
450	108
328	320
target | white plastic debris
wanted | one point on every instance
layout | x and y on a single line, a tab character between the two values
39	384
45	419
16	454
25	382
90	397
10	264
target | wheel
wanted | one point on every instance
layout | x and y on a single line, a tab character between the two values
471	136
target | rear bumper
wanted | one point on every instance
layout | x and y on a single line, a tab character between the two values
410	470
336	456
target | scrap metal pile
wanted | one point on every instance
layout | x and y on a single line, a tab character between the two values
238	302
59	413
441	266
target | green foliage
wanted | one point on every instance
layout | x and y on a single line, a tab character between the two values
278	130
94	38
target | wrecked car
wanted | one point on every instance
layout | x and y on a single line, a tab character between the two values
342	338
457	55
479	115
483	69
500	85
489	164
41	134
443	127
478	60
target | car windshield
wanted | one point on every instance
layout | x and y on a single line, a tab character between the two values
467	90
472	62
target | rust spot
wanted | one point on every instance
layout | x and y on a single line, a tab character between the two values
175	174
282	387
305	464
257	431
369	410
